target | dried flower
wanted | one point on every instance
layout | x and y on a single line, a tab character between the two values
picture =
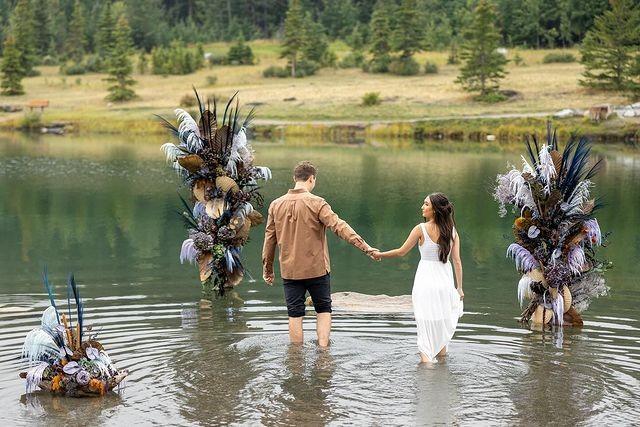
557	275
533	232
525	262
83	377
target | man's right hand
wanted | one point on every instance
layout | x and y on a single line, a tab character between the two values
268	278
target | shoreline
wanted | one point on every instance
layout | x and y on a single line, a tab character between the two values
483	128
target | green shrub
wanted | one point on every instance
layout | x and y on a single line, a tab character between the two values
430	68
371	98
354	59
93	64
275	71
31	121
491	97
518	60
72	69
212	80
176	59
377	66
558	57
404	67
215	59
189	100
240	54
49	60
303	69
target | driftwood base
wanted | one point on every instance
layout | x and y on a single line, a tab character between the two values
83	391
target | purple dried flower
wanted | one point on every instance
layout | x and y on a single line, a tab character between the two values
594	235
203	241
225	233
525	262
71	368
533	232
92	353
83	377
576	259
557	275
188	252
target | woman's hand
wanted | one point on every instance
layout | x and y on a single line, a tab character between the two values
461	293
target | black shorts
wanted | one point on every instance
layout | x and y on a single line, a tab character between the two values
295	290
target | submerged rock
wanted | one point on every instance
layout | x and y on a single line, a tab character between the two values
364	303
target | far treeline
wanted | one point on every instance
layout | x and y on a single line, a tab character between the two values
383	35
527	23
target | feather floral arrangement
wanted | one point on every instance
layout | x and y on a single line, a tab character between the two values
66	358
556	233
215	161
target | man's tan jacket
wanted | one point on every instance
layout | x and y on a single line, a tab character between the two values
297	224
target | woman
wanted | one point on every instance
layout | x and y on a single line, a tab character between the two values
436	304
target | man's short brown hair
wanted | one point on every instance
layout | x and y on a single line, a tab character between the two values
304	170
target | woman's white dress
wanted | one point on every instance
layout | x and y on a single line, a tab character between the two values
436	303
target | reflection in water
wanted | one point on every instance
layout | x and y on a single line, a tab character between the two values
107	210
438	395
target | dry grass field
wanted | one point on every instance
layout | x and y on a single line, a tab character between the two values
331	95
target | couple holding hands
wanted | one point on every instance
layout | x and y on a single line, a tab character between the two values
297	224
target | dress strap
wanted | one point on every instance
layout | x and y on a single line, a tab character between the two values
454	234
425	236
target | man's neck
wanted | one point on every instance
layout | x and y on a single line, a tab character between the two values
302	185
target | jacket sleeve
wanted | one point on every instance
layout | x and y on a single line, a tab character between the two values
341	228
270	242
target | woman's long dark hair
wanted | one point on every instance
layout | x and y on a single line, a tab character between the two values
443	216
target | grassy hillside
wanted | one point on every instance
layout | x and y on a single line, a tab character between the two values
331	95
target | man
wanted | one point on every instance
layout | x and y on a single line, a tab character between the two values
296	224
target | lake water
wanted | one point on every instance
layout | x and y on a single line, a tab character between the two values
105	208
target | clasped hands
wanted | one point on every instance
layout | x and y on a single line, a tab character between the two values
374	254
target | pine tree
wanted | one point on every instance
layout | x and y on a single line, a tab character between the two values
293	34
12	71
120	67
314	43
44	35
483	65
407	38
380	30
105	39
611	49
58	26
76	42
23	30
407	35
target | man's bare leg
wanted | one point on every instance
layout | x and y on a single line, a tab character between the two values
443	352
323	328
295	329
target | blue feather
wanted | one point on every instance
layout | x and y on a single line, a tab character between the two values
79	304
49	287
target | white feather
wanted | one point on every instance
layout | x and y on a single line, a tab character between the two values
546	167
49	318
526	167
38	344
578	197
186	122
524	289
34	376
265	172
171	151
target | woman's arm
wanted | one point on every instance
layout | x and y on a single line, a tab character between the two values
457	264
406	247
